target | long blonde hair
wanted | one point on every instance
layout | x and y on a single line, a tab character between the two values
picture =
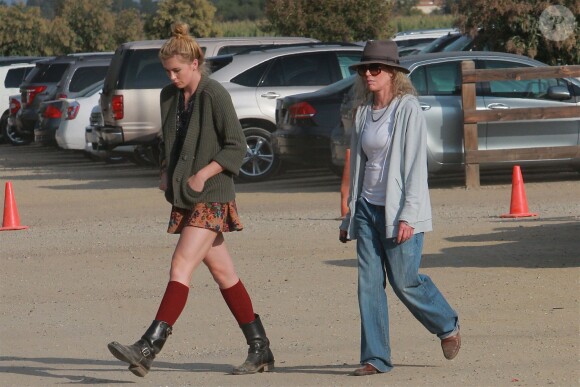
183	44
401	85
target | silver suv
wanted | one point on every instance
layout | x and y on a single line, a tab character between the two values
257	79
130	99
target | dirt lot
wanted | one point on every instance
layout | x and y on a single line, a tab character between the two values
93	266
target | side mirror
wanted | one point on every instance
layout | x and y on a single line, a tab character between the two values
558	93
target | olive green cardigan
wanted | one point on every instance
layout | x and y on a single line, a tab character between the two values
214	134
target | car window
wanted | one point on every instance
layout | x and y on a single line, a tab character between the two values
143	70
86	76
50	73
251	77
437	79
300	70
14	77
346	59
527	88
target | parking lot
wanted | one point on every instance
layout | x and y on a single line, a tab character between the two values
93	265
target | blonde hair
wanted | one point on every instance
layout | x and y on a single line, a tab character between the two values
401	85
183	44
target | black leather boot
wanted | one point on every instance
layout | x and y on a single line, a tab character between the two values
260	358
141	354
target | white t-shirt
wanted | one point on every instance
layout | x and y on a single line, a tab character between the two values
376	140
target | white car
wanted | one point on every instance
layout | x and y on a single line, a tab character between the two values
11	76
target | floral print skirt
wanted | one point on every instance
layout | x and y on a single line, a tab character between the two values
220	217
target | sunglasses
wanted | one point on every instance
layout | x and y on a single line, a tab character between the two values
375	69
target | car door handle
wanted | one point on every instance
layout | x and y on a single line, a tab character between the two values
270	95
425	106
497	106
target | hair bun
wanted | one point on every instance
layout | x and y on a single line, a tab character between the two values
179	29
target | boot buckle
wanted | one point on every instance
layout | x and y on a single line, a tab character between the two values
146	352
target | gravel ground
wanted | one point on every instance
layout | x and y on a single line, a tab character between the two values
93	265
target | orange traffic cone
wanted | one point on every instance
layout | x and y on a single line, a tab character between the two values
11	219
519	203
344	185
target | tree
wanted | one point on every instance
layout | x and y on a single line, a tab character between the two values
231	10
128	26
198	14
93	24
330	20
515	26
21	30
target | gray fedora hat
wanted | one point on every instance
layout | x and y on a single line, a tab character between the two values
381	51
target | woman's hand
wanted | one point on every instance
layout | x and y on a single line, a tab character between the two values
405	232
343	236
196	182
163	183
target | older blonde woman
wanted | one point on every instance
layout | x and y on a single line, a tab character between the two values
389	208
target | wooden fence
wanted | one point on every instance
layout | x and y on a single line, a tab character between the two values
471	116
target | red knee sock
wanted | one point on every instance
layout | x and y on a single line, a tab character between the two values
173	302
239	302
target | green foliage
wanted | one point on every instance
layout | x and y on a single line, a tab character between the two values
239	10
132	26
21	29
198	14
241	28
420	22
514	26
92	21
330	20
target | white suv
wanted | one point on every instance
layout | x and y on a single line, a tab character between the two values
257	79
11	76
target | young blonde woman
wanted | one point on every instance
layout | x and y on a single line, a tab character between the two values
203	147
389	208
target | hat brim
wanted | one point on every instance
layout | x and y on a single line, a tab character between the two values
388	64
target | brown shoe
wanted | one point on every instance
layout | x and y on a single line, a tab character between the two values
451	346
365	370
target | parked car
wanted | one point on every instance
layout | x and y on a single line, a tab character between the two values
254	79
65	119
61	77
10	130
130	100
437	78
416	37
304	123
257	79
11	76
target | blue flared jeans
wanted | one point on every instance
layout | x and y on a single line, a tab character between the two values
380	258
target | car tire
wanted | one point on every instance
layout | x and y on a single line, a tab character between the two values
260	162
3	125
9	132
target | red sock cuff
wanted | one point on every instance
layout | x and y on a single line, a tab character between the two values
173	302
239	302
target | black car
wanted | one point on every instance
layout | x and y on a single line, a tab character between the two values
304	123
61	77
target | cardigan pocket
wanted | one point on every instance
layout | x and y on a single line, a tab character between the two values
191	195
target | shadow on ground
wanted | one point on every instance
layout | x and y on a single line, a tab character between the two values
547	245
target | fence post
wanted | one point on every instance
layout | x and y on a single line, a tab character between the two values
469	130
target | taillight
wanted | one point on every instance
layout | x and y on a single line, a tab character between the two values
117	106
14	106
31	92
72	111
52	111
301	110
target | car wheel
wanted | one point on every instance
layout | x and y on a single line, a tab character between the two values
10	134
3	125
260	162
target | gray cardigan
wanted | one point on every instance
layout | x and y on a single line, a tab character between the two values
214	134
406	175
